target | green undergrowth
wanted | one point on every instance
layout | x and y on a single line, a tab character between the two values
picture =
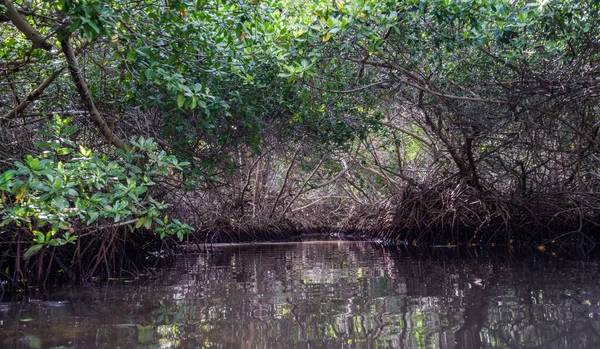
68	191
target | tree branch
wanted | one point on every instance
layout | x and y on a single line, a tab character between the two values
423	86
357	89
10	67
285	179
84	93
392	126
301	188
24	27
33	95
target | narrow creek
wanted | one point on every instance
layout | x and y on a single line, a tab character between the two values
322	295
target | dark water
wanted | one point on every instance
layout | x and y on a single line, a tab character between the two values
323	295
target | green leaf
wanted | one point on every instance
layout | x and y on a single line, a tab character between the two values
6	176
32	250
131	55
63	151
71	192
180	100
94	26
93	216
140	222
32	162
39	237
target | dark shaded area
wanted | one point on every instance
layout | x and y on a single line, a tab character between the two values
324	295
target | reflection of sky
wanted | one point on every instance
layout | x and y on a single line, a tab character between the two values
326	295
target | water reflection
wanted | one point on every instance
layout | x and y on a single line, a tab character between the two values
323	295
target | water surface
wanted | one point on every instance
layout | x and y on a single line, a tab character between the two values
323	295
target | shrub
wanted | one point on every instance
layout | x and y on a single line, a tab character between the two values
68	188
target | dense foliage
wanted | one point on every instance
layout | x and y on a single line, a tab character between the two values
491	106
422	121
63	188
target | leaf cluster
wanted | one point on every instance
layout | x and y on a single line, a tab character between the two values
69	190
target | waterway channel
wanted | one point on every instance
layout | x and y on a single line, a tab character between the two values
322	295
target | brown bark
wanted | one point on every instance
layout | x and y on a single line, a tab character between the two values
257	188
35	94
86	98
302	188
24	27
285	179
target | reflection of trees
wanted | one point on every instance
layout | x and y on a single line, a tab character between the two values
365	297
351	294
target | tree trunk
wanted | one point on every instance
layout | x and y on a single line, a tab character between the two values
84	93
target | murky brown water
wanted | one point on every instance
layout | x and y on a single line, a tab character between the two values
323	295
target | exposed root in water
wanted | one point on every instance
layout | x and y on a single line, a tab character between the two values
564	224
455	216
109	254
